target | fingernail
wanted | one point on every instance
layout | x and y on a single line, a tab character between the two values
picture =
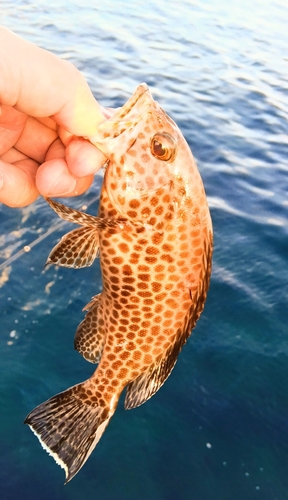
65	192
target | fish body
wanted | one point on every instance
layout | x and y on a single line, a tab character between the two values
153	233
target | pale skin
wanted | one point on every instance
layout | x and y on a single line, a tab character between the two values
48	117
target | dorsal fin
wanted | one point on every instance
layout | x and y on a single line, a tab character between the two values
89	340
148	383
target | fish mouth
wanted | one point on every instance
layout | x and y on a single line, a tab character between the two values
133	104
124	120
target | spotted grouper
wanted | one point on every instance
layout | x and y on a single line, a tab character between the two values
153	234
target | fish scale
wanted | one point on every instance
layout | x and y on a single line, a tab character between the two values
153	234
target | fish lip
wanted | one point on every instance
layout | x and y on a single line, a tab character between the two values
125	118
139	92
132	102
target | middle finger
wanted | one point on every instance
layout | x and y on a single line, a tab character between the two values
35	139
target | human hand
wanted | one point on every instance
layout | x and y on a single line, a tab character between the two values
46	111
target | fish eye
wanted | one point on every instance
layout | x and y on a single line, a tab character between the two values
163	146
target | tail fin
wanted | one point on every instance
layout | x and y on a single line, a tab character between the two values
69	425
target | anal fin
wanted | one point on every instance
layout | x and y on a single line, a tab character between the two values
76	249
89	341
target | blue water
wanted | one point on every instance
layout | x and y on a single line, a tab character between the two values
218	429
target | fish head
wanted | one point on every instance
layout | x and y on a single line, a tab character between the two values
145	149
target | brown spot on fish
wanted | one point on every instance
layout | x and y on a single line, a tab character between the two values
156	286
145	158
123	247
132	214
167	257
134	204
132	152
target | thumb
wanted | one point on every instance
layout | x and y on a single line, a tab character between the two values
61	91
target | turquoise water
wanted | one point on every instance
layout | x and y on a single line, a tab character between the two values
218	429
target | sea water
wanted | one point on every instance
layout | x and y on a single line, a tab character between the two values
218	429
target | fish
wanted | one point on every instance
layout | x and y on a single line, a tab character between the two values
154	238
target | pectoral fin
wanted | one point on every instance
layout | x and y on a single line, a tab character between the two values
89	340
77	249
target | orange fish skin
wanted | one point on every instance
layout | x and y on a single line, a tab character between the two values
154	237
